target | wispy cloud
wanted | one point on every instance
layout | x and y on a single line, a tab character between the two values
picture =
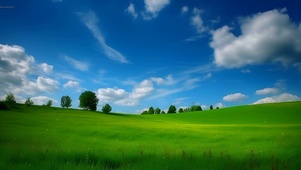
90	20
80	65
131	10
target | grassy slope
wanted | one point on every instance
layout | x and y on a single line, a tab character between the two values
246	137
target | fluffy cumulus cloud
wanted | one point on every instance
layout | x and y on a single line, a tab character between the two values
90	20
17	66
265	37
41	100
153	7
46	68
139	91
72	84
284	97
235	97
266	91
122	97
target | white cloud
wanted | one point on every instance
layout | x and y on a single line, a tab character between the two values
197	21
266	37
80	65
131	10
153	7
184	9
72	84
41	100
266	91
122	97
46	68
111	94
16	67
220	105
90	20
235	97
284	97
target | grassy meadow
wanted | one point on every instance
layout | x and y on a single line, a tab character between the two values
264	136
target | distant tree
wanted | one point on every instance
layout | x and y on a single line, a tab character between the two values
198	108
186	110
28	102
172	109
3	105
106	108
49	103
10	99
66	101
157	110
211	107
145	112
194	108
163	112
151	110
180	110
217	107
88	101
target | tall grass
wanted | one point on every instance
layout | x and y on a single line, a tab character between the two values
249	137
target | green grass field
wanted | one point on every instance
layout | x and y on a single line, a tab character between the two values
246	137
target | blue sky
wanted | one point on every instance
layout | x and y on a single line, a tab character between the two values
136	54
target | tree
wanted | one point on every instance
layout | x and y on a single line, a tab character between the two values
163	112
88	101
10	99
194	108
28	102
49	103
217	107
181	110
157	110
145	112
211	107
198	108
106	108
172	109
66	101
151	110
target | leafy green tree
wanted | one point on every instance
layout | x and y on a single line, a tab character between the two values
163	112
66	101
198	108
180	110
157	110
106	108
10	99
145	112
28	102
88	101
172	109
217	107
151	110
211	107
49	103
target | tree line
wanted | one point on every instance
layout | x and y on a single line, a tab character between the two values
172	109
88	101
